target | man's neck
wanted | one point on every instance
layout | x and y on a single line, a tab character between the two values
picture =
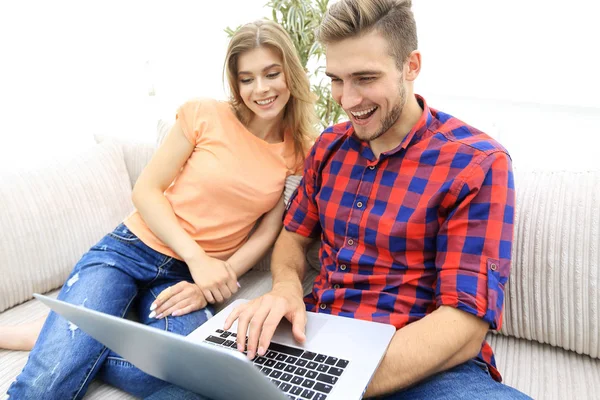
411	113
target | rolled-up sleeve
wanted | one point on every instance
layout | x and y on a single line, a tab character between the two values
474	242
302	216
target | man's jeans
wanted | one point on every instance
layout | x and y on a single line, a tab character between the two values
117	273
468	381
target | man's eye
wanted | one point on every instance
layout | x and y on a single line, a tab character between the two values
335	80
367	78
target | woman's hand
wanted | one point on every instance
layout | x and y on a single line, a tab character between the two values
180	299
215	278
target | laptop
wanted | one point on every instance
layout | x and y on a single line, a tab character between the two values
337	360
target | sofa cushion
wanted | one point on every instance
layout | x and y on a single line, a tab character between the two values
543	371
51	216
553	291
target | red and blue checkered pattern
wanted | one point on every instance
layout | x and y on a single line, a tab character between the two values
429	223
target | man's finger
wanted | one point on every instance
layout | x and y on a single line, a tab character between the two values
268	329
299	326
254	330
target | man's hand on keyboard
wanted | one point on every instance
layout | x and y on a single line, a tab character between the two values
260	317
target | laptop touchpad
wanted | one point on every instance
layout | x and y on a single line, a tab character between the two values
313	326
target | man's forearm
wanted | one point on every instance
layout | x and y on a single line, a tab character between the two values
441	340
288	262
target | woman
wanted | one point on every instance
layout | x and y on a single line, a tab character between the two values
220	170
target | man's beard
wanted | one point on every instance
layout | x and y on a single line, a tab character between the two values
392	116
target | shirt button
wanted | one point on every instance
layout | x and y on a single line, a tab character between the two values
336	286
493	267
350	242
323	306
372	167
359	204
343	267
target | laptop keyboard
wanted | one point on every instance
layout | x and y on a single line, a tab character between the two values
300	374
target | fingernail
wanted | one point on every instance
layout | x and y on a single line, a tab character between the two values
152	314
239	284
240	347
261	351
153	307
159	316
175	313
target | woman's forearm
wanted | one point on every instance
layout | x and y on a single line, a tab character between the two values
157	213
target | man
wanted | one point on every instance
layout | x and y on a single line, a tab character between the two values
415	211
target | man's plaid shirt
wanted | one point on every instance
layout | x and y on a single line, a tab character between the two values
429	223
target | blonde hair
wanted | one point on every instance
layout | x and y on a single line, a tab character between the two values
393	19
299	115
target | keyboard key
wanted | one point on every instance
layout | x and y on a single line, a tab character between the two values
285	387
233	345
301	363
286	377
266	370
335	371
307	394
292	351
291	397
220	331
275	374
270	363
322	387
260	360
320	358
225	334
312	365
271	354
291	360
311	374
276	382
281	357
297	380
301	371
322	368
214	339
296	390
308	383
234	335
309	355
228	343
280	366
342	364
331	360
290	369
319	396
327	379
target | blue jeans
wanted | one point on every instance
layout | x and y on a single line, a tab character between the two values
118	274
468	381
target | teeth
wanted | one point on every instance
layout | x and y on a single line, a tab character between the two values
265	102
361	113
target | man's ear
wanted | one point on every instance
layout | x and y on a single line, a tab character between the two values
412	66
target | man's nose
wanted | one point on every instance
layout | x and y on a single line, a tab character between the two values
350	97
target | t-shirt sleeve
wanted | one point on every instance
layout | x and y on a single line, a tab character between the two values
192	117
302	215
474	242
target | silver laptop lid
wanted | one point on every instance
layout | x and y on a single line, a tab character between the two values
214	372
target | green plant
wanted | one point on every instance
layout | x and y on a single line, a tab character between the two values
300	18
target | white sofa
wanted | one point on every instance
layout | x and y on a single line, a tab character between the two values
549	345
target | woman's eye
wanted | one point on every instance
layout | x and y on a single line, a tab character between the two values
273	75
245	81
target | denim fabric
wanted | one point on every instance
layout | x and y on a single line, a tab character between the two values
118	274
468	381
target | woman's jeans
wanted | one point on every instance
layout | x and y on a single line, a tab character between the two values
118	273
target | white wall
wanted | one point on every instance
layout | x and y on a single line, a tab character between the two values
524	71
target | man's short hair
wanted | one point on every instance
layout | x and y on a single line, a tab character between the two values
393	19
